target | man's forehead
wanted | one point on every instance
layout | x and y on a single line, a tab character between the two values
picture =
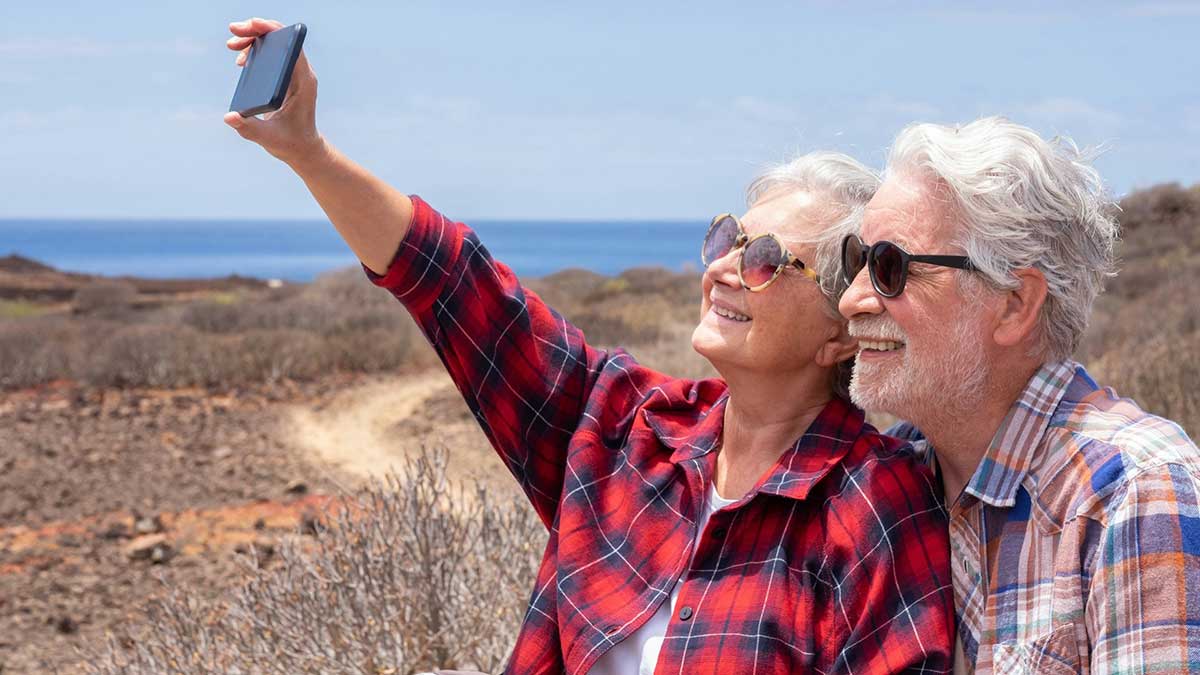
906	211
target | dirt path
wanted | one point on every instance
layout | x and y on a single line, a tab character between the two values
367	431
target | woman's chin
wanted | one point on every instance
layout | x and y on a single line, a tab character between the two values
711	344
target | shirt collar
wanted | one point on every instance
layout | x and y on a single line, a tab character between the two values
1013	448
830	436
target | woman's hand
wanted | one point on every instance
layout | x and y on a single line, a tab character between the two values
289	133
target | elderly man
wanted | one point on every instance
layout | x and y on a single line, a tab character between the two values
1075	516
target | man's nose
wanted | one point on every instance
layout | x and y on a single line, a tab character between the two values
860	298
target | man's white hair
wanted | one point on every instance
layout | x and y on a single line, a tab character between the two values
1024	202
842	187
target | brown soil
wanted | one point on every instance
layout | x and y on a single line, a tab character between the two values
208	476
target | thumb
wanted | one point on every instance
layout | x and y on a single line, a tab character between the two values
249	128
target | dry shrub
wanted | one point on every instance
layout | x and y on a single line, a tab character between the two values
36	350
1144	337
374	350
672	353
639	307
1160	375
273	355
415	574
622	322
144	356
212	317
108	297
1148	349
1161	239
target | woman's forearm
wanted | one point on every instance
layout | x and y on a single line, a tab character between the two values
371	215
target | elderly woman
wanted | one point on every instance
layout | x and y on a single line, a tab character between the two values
753	523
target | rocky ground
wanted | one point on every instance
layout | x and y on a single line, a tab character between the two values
110	497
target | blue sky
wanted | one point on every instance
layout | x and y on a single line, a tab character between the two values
570	110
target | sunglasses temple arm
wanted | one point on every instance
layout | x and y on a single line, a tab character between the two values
961	262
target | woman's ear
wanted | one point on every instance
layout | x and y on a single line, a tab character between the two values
839	347
1017	319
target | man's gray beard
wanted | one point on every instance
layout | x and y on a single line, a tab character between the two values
925	386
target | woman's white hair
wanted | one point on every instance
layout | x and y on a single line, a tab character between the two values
842	186
1024	203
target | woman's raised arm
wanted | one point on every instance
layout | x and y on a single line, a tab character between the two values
371	216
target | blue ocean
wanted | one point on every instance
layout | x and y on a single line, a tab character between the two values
299	250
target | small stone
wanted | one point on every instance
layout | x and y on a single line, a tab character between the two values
222	452
148	525
161	554
296	487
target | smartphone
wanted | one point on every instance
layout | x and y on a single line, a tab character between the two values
268	71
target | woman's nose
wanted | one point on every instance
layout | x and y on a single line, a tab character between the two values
723	270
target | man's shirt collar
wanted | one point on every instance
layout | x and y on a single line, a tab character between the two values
1013	448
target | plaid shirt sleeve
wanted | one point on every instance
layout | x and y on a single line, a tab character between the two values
894	605
1143	611
524	371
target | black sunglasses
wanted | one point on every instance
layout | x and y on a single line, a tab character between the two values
888	263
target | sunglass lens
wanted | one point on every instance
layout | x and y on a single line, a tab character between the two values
888	268
854	256
720	239
761	260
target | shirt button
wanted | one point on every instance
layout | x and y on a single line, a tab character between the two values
685	613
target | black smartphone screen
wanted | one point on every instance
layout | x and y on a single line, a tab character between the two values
268	71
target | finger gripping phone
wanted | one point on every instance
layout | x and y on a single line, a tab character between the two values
268	71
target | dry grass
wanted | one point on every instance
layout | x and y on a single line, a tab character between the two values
339	323
1144	338
411	575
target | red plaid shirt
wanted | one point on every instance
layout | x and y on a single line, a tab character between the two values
837	561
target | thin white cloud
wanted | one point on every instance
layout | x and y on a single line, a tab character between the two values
1191	119
28	120
16	77
1069	115
913	111
34	48
454	108
988	15
1164	9
758	109
196	115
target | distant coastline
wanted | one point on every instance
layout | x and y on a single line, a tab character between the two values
301	250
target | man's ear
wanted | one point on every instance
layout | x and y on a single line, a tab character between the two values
839	347
1017	319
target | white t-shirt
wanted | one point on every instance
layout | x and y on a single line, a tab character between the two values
638	653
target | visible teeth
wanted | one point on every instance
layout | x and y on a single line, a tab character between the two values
730	315
884	346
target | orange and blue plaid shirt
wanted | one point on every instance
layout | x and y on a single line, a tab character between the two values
1076	543
837	561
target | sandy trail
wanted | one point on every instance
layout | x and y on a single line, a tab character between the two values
368	430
